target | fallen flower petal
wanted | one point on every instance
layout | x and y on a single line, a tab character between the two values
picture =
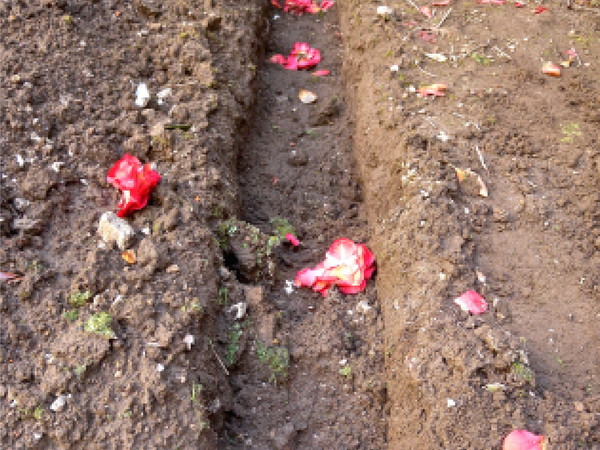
326	4
275	3
123	174
278	59
441	3
307	97
540	9
426	11
549	68
293	239
523	440
491	2
128	256
7	276
347	265
519	4
472	302
303	56
427	36
137	183
321	73
436	89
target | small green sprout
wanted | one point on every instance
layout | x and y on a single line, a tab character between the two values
125	414
71	315
38	413
233	337
346	371
80	369
277	359
100	323
79	299
197	388
570	131
223	299
523	372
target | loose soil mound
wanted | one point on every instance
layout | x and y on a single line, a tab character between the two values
456	381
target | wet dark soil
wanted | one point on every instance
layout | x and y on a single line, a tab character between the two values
208	345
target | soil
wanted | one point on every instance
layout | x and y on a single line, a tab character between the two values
209	344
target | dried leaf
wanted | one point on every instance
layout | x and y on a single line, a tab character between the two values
437	57
307	97
436	89
549	68
128	256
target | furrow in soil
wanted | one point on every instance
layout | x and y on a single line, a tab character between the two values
297	166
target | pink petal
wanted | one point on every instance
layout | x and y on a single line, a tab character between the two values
540	9
293	239
307	277
278	59
426	11
321	73
441	3
473	302
8	276
523	440
326	4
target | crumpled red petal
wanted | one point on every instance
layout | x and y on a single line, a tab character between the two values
123	174
471	301
137	183
347	265
523	440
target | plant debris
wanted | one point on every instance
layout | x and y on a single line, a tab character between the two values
347	265
472	302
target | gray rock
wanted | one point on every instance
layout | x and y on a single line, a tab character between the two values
115	230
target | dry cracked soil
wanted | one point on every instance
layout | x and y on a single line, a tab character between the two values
203	342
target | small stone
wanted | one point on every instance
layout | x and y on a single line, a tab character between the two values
240	310
173	268
115	230
21	204
160	367
385	11
24	224
142	95
363	307
189	340
59	403
298	158
283	437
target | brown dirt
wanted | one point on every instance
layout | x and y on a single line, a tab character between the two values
365	162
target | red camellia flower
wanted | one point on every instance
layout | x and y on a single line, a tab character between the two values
347	265
301	57
523	440
471	301
136	181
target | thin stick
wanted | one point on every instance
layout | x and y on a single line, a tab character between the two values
444	18
502	52
413	4
212	347
425	72
481	158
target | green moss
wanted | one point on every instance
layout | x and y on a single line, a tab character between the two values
276	359
100	323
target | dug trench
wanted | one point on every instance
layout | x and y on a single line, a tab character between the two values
307	370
